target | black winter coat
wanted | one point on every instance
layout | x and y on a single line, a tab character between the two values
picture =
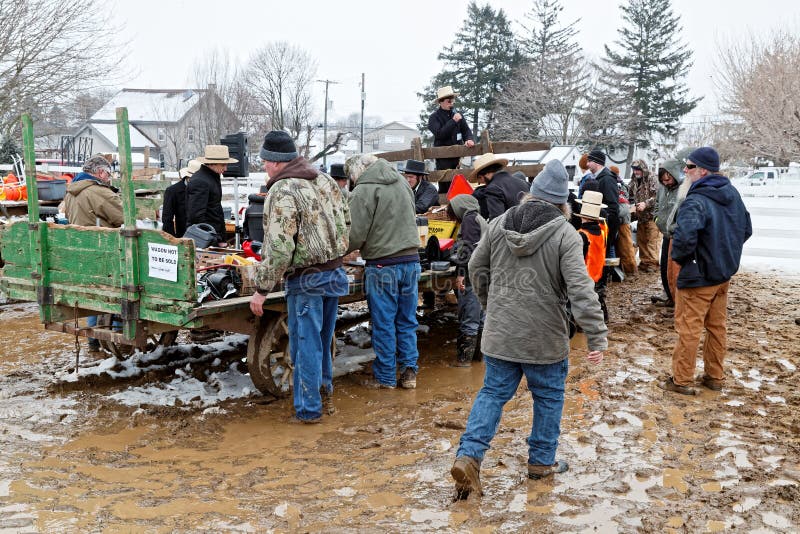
204	200
502	192
445	133
712	226
173	213
425	196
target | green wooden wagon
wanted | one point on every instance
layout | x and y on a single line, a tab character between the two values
146	277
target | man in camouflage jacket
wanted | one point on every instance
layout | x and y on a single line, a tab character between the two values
305	236
643	188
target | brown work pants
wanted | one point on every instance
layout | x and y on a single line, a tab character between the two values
673	268
648	238
625	250
697	308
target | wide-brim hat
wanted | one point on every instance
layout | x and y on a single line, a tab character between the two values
415	167
591	204
445	92
192	167
484	161
216	154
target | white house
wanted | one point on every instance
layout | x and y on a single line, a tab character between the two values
175	124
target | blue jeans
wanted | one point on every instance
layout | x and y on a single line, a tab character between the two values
392	296
470	314
546	383
312	303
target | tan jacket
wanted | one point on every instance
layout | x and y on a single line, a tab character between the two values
92	203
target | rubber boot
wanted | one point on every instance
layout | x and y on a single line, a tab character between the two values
465	348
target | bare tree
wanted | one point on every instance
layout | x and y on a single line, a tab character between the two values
49	51
280	76
760	86
220	109
542	99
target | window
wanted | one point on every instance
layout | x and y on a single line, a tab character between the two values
190	134
376	144
162	160
394	139
162	135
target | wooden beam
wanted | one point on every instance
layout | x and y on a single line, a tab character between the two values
460	151
504	147
416	146
447	176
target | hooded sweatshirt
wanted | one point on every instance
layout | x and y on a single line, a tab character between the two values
712	226
467	210
90	202
643	190
384	219
667	197
529	263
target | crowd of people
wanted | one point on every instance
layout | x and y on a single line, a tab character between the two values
531	265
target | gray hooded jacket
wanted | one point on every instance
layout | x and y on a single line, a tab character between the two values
666	197
523	272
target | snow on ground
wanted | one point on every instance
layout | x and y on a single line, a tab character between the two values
775	214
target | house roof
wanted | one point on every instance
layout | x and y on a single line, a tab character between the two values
150	105
562	153
109	131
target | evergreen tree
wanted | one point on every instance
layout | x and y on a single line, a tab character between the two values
647	69
541	101
477	64
8	148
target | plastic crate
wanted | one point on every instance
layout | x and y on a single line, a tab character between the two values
51	189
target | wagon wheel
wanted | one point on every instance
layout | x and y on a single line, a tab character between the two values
268	359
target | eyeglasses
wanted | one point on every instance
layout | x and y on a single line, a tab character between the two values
691	166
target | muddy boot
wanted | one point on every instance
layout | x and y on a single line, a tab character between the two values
478	355
538	472
327	401
465	348
466	472
408	379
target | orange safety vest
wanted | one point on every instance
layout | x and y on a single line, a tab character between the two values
596	256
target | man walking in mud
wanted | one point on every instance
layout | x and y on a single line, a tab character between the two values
305	237
712	226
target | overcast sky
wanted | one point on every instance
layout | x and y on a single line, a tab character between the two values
394	43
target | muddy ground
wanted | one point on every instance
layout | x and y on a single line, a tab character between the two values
76	459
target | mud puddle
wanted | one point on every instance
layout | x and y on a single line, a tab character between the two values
641	459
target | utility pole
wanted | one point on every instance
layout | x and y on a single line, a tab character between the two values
363	98
325	123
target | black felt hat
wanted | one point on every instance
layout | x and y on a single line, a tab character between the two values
415	167
337	171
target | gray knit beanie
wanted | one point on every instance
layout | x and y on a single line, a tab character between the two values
551	184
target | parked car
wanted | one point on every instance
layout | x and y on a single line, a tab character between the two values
762	177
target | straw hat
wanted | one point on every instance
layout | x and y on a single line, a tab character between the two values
216	154
192	167
445	92
591	204
485	161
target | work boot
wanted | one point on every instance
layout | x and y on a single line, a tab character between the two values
712	383
670	385
659	298
478	355
408	378
373	383
466	471
537	472
465	348
327	401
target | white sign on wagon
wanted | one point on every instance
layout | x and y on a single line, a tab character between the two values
163	261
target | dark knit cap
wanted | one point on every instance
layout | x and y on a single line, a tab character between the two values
551	183
706	158
597	156
278	146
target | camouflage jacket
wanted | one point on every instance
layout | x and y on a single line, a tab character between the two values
305	220
643	190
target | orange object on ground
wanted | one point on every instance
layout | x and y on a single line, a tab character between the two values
14	192
10	178
459	186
